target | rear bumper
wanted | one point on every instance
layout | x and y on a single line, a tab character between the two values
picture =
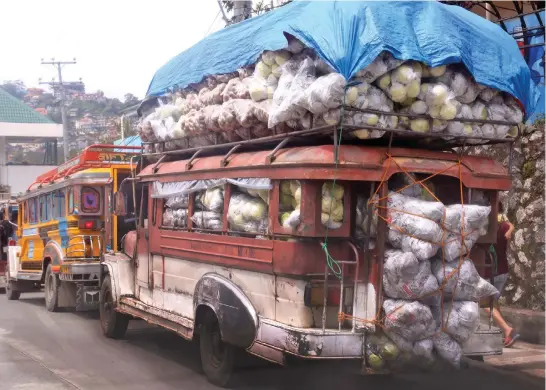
80	272
2	281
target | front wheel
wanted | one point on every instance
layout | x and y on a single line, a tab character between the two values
217	357
114	324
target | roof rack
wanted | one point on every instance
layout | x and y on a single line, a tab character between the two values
324	134
94	156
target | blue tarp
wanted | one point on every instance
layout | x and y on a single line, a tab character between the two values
349	35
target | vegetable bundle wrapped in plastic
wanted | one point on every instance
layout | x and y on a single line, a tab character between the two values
247	213
211	200
332	205
411	320
207	220
460	319
404	82
464	283
405	277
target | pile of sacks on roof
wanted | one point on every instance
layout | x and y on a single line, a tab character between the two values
428	248
293	89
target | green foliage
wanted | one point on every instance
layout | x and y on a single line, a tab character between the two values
15	88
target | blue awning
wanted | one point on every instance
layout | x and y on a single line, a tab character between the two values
349	35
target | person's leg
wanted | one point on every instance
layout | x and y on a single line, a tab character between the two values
510	336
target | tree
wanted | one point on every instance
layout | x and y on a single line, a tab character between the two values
15	88
130	99
258	8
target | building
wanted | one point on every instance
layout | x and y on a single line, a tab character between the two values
20	124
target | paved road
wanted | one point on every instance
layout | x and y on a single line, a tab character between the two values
51	351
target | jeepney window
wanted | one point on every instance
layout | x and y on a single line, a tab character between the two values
43	201
71	201
33	212
90	200
25	211
144	207
58	204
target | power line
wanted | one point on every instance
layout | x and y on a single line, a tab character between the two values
212	24
60	85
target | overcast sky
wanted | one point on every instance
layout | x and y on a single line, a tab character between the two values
118	44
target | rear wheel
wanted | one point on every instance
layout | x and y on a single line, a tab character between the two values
51	289
10	294
217	357
114	324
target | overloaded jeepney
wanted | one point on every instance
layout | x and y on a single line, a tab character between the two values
61	221
318	204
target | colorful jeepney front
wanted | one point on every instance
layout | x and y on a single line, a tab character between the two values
62	222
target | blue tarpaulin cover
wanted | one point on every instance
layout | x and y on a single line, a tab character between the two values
349	35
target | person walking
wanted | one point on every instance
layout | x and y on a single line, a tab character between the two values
500	272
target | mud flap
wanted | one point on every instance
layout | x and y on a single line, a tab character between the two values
87	297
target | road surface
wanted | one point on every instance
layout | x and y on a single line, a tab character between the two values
52	351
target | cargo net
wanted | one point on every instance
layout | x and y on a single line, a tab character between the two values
431	288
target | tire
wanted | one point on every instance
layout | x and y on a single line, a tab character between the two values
477	358
114	324
217	357
51	287
10	294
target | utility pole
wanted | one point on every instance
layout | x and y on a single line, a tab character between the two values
60	85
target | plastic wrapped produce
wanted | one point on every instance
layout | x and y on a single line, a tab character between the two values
178	202
323	94
455	246
411	320
423	250
247	213
403	82
475	217
405	277
382	64
332	203
297	76
207	220
213	96
236	89
412	353
460	319
180	218
168	217
464	284
361	220
448	349
431	210
416	226
211	200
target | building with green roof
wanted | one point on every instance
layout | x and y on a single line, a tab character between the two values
21	124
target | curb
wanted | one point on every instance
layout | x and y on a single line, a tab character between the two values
529	324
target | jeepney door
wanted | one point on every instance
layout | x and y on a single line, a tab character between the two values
143	238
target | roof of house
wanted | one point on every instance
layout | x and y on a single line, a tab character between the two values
12	110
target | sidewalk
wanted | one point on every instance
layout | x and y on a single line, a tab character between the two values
523	358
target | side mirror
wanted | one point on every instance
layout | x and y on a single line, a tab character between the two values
120	202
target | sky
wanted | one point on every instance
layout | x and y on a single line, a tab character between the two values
118	44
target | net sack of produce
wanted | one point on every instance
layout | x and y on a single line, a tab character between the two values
416	226
382	64
411	320
213	95
421	249
466	218
236	89
267	73
362	218
290	220
448	349
207	220
457	245
296	77
178	202
168	217
211	200
402	82
331	204
412	353
466	284
405	204
460	319
325	93
405	277
180	217
461	82
247	213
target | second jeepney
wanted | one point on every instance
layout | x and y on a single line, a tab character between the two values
61	222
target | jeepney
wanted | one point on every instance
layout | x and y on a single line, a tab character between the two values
273	291
61	221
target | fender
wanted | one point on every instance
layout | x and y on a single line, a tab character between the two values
54	251
236	315
120	268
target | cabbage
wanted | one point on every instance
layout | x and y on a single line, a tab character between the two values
437	71
404	74
271	92
408	102
398	92
419	107
371	119
257	211
276	70
297	195
384	81
414	88
419	125
268	58
351	95
434	111
337	191
295	203
262	69
258	92
448	111
328	204
294	185
281	57
325	220
438	94
361	134
284	217
285	187
286	200
337	212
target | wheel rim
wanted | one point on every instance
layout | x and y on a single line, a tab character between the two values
106	306
217	346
